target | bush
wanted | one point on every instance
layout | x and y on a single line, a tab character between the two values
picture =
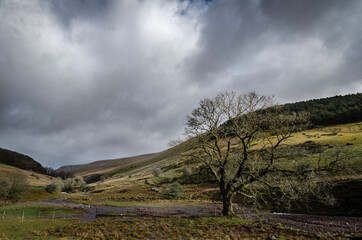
74	184
12	186
54	187
187	172
175	189
157	172
51	188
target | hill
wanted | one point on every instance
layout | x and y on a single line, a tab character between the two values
32	178
139	184
324	112
94	170
20	160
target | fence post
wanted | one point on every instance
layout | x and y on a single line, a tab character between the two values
4	215
22	217
39	214
53	214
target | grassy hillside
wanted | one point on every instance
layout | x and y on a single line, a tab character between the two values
135	181
140	185
33	184
323	112
93	171
32	178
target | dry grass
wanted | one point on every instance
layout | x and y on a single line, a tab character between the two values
181	228
33	179
107	166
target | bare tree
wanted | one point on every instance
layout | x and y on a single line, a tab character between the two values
12	186
239	139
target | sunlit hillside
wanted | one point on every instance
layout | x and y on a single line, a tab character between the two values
32	178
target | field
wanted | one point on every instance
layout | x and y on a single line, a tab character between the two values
143	227
29	229
27	212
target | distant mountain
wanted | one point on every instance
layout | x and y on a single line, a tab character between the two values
332	110
103	167
20	160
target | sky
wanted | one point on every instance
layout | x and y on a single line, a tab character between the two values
99	79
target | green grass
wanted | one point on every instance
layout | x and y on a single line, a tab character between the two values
29	229
156	204
38	194
35	211
32	194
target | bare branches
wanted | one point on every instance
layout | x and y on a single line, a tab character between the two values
247	119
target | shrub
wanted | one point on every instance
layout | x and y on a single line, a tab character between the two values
176	189
187	171
103	178
54	187
50	188
157	172
12	186
74	184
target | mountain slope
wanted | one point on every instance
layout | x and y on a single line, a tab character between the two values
325	111
106	166
32	178
332	110
20	160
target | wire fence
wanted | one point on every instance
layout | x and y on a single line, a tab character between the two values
27	215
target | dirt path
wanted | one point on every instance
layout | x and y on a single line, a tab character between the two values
314	223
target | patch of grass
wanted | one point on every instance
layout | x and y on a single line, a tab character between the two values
156	204
38	194
226	220
29	229
34	211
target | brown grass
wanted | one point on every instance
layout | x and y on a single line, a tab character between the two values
33	178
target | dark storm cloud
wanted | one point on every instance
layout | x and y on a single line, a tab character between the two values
89	80
289	48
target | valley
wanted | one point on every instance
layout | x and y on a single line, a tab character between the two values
132	194
318	168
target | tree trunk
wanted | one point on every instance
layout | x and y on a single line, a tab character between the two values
227	207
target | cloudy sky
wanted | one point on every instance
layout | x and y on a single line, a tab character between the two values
100	79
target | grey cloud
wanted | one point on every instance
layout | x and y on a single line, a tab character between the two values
67	11
294	48
301	17
88	80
